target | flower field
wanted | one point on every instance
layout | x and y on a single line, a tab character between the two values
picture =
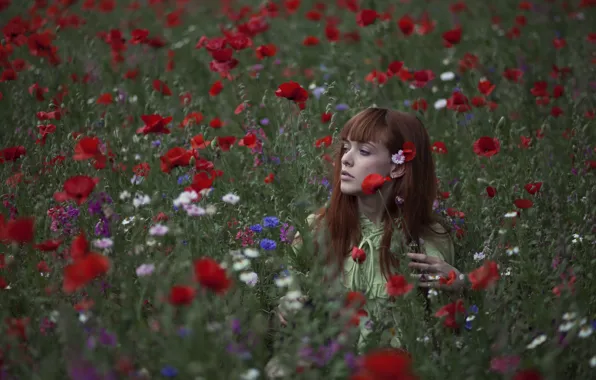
157	158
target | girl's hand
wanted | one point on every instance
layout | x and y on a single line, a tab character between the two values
436	273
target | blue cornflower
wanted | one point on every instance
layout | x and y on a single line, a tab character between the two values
256	228
156	143
318	91
264	121
342	107
268	244
169	371
270	221
184	332
183	179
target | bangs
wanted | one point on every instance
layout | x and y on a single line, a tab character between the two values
369	125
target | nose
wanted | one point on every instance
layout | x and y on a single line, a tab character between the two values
346	160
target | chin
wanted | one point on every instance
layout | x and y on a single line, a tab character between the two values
348	189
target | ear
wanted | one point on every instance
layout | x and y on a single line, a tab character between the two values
397	171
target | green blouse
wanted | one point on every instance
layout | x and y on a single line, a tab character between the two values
367	277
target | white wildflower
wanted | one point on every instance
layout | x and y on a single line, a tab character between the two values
511	214
230	198
145	270
241	264
103	243
124	195
158	230
128	220
185	198
479	256
292	301
592	362
585	331
566	326
251	253
447	76
194	210
250	374
136	180
249	278
512	251
536	342
569	316
210	210
577	239
440	104
283	281
141	200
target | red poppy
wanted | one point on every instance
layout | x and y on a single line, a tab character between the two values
355	300
266	51
385	363
487	146
523	203
142	169
439	147
491	191
397	285
201	181
485	87
76	188
409	151
292	91
458	102
406	25
366	17
48	245
199	142
105	99
225	142
373	182
84	270
161	87
450	311
270	178
175	157
249	141
324	141
216	88
79	246
358	255
452	37
211	275
533	187
19	230
485	276
192	118
528	374
87	148
216	123
155	124
449	280
326	117
12	153
182	295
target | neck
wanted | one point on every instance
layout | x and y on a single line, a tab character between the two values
372	207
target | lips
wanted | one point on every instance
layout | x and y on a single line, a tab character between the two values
346	174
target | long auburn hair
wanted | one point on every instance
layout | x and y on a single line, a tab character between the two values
417	187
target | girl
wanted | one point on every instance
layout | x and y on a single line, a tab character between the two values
363	235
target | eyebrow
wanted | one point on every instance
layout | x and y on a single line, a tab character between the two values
372	145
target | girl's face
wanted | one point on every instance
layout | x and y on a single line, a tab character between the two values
361	159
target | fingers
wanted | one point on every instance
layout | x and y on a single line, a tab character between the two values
423	266
283	321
